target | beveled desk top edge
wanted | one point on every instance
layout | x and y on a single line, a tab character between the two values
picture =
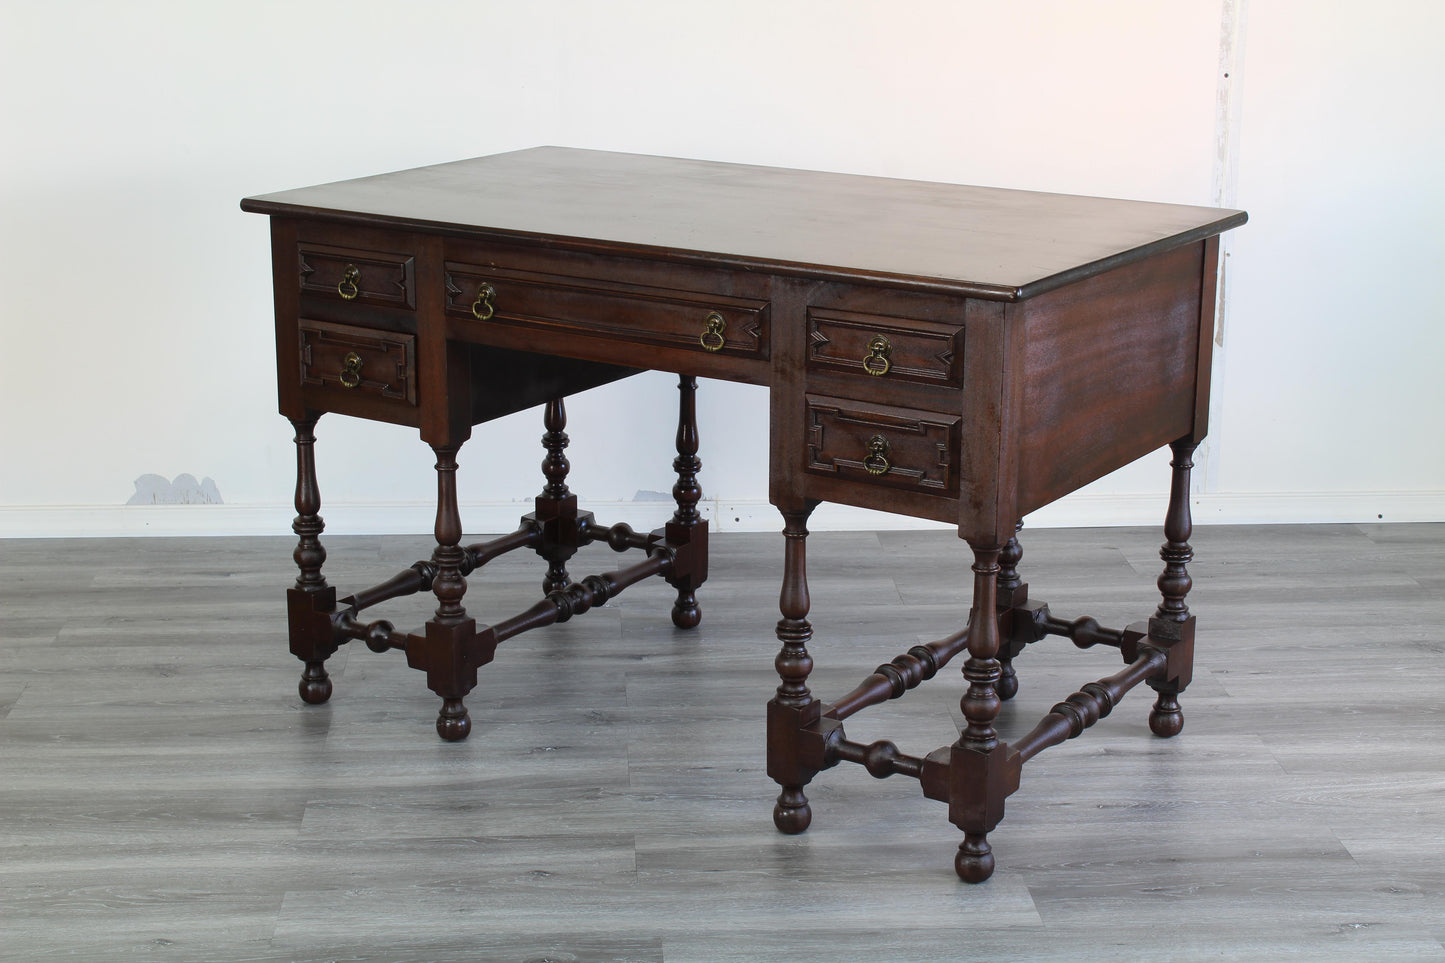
647	252
773	220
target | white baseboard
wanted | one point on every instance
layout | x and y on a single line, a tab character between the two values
1080	511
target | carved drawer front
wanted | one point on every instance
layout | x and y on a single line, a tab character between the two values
885	348
359	360
883	445
695	320
382	278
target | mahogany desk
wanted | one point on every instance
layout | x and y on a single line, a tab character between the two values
962	354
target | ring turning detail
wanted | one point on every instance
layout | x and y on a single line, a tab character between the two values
947	353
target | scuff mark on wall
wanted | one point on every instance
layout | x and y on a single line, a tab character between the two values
185	490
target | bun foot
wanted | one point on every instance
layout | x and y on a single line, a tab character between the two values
974	862
315	685
1166	719
685	611
792	814
1007	685
454	723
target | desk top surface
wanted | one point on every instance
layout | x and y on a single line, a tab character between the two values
984	241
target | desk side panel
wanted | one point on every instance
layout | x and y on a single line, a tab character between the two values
1209	286
287	296
1111	372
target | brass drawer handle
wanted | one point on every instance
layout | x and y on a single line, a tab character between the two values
350	375
877	461
349	286
712	332
876	362
482	307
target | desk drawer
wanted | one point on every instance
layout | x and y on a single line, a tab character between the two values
386	279
882	445
881	348
358	362
641	314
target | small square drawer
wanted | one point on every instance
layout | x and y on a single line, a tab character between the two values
887	348
883	445
360	361
382	278
666	317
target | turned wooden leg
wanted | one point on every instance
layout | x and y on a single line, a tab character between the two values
311	601
556	506
793	707
450	632
976	802
1172	624
1011	591
687	527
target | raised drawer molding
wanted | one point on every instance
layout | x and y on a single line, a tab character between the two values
358	360
918	450
926	352
349	274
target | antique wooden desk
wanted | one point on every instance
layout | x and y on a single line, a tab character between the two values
954	353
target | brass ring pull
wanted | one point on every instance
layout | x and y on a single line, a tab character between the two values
877	461
876	362
712	333
349	286
350	375
482	307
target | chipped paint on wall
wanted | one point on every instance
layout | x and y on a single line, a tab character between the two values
184	490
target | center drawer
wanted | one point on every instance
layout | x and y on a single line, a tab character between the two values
666	317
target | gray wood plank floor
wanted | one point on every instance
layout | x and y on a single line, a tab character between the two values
165	795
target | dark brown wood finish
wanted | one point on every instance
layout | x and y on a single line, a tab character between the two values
1110	365
686	532
556	512
1172	625
444	650
956	353
990	242
793	714
310	602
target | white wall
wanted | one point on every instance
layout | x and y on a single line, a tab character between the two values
1335	340
135	324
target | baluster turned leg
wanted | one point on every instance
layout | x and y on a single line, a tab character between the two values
687	528
979	782
556	504
1009	586
311	601
450	627
793	707
1172	622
